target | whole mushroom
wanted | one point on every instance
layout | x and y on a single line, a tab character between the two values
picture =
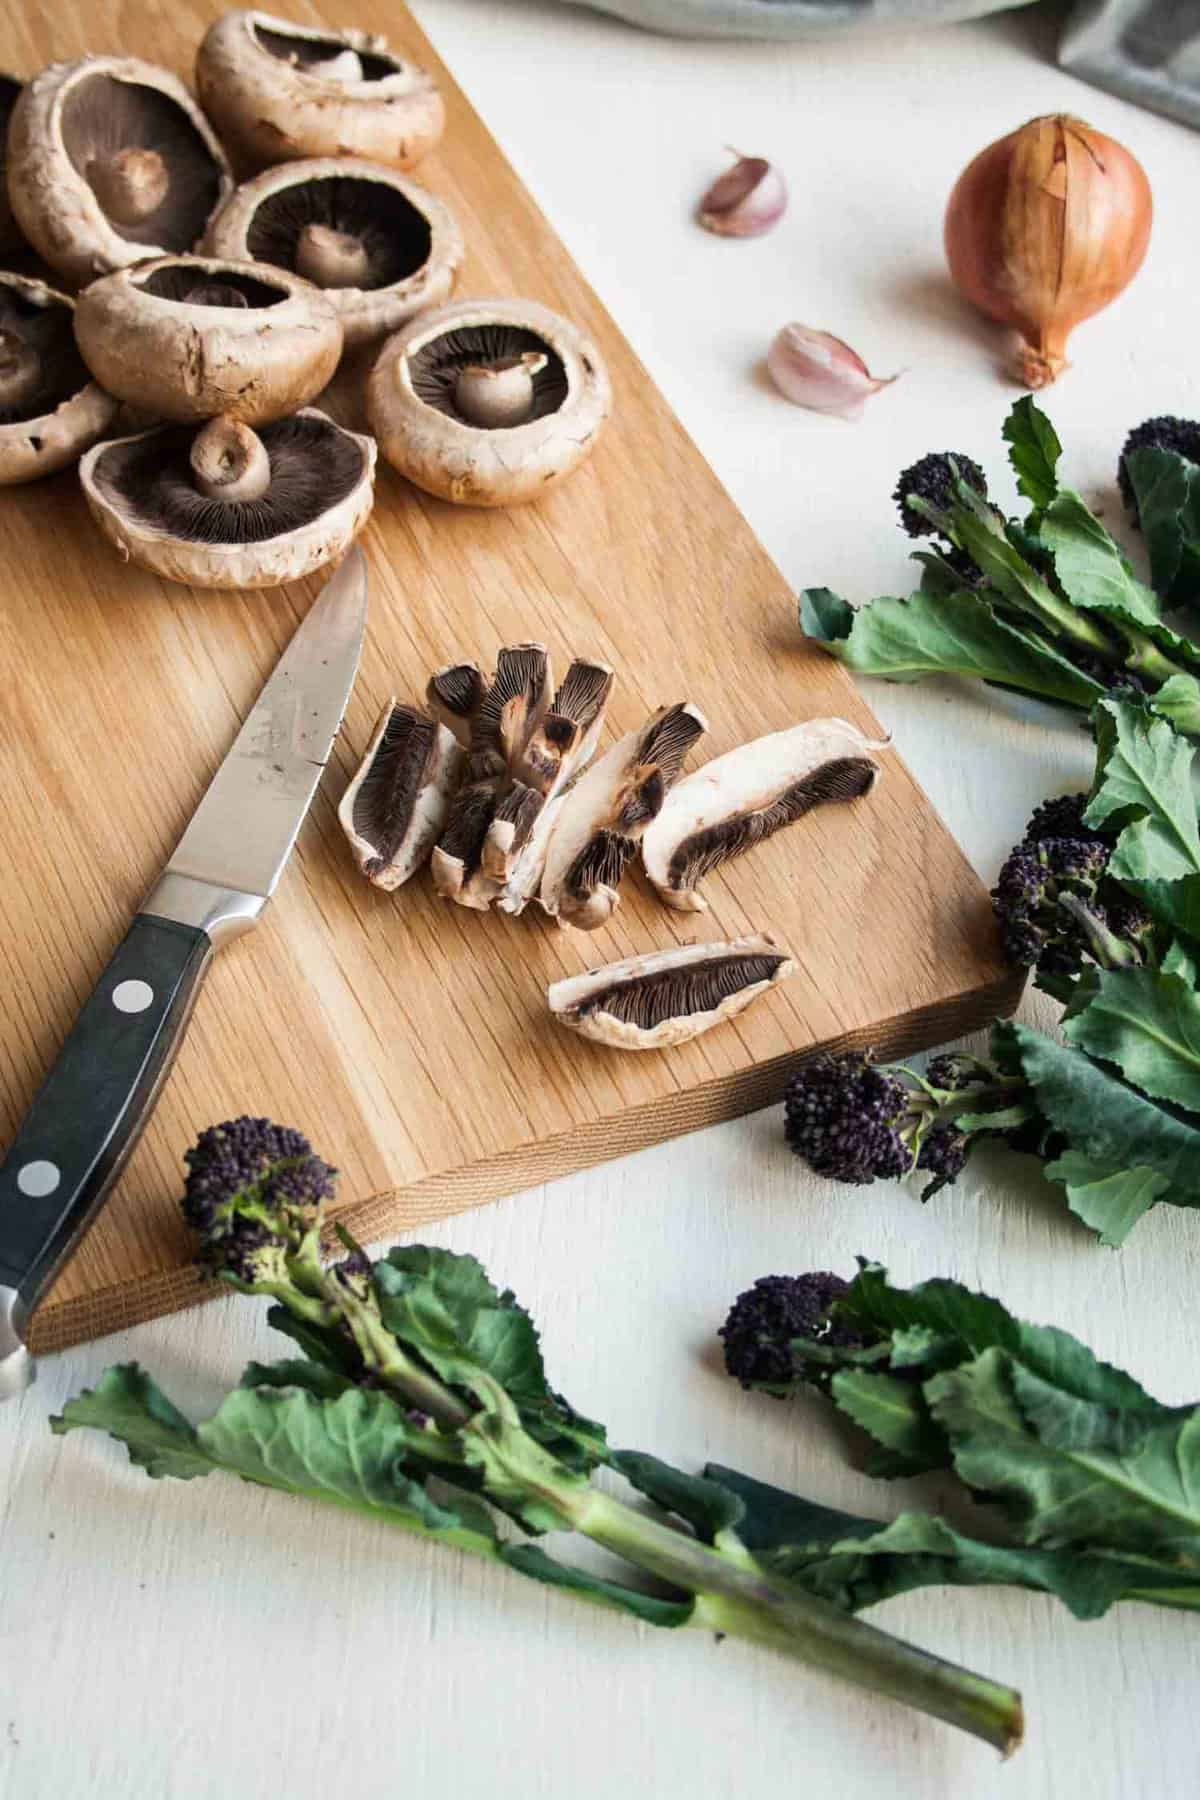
381	247
110	160
277	91
488	402
50	408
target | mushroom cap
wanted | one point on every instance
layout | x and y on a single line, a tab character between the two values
67	412
260	81
410	399
10	236
147	340
141	495
692	987
75	112
413	246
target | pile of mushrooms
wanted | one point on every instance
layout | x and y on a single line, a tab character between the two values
496	785
266	489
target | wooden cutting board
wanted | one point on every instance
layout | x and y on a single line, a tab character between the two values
408	1038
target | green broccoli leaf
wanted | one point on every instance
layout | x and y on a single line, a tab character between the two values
1178	701
327	1345
652	1609
1033	451
1181	959
706	1506
1166	487
1148	1025
1091	569
127	1404
894	1413
1109	1200
929	634
444	1306
325	1383
1069	1470
1143	788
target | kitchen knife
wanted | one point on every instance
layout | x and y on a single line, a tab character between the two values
93	1105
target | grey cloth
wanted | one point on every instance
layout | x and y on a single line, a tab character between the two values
792	18
1146	50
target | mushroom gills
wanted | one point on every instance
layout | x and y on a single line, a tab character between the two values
40	365
10	236
396	806
738	800
670	996
454	695
341	231
150	170
606	813
436	370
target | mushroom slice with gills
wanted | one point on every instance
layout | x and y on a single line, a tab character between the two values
228	507
456	863
51	410
10	236
381	247
394	809
110	161
454	696
488	402
606	813
278	92
191	337
513	706
735	801
652	1002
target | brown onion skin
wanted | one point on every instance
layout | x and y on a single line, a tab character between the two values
1044	228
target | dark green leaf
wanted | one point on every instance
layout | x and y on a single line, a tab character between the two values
902	640
1178	701
444	1306
706	1506
1110	1201
824	615
1143	787
1033	451
1166	487
893	1412
1180	959
1091	569
1104	1119
533	1561
127	1404
323	1344
325	1383
771	1518
1148	1024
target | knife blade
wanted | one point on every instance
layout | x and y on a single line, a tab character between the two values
94	1103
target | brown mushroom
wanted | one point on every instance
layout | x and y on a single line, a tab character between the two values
10	236
110	160
488	402
277	91
50	408
652	1002
188	337
394	809
737	800
227	507
380	246
607	811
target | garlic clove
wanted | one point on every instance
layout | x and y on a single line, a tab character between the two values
819	371
746	200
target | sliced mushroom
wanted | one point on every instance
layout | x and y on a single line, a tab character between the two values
394	809
438	420
110	160
652	1002
735	801
10	236
607	812
209	508
190	337
380	246
277	91
51	410
454	696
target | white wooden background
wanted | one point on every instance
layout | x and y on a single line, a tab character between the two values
207	1639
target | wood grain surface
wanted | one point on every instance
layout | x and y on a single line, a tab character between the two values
410	1038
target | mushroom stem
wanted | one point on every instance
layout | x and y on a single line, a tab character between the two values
20	371
345	67
215	293
130	185
499	393
229	461
331	258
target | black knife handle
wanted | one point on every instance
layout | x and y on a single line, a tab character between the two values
92	1106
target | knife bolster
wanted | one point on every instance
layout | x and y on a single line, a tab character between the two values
220	913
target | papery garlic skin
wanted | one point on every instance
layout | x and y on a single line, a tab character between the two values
746	200
817	370
1044	228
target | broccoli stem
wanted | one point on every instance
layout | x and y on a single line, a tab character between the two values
735	1595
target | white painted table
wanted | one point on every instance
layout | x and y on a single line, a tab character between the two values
209	1639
